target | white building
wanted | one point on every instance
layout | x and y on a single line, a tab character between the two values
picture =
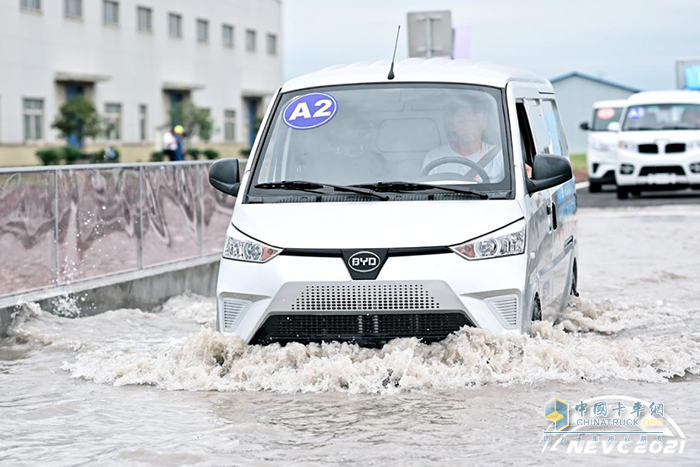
135	59
576	93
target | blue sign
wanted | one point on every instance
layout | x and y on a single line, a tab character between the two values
692	77
310	111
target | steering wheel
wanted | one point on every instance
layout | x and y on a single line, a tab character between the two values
455	160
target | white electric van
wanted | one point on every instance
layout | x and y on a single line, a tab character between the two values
659	143
374	208
602	143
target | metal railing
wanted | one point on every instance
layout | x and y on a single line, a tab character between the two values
63	224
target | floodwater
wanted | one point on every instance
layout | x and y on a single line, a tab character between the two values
159	387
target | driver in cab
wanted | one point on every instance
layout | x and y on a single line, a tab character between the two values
466	121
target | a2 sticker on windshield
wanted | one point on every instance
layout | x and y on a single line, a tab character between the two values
310	111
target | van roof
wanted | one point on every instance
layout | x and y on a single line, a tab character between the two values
664	97
440	70
610	103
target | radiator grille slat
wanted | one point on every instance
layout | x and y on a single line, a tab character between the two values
366	329
506	307
232	311
360	297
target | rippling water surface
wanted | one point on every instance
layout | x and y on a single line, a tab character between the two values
160	387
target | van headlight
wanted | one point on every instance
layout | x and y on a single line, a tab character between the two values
626	145
508	241
599	146
241	248
693	144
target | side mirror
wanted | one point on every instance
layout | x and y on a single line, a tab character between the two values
584	126
614	126
225	176
549	171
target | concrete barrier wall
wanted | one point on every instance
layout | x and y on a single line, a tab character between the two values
144	289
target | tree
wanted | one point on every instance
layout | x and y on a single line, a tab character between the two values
197	121
79	118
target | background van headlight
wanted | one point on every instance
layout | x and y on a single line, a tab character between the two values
508	241
240	248
627	146
599	146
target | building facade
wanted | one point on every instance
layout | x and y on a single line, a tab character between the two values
135	59
576	93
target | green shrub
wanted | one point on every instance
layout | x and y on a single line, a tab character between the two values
194	153
70	154
211	154
157	156
51	156
108	155
245	152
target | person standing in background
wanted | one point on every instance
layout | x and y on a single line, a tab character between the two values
180	139
170	144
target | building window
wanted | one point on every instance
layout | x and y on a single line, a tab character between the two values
73	8
143	122
174	25
227	35
110	12
230	125
250	39
33	119
113	121
31	4
144	19
271	44
202	30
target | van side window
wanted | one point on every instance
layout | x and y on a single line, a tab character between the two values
538	125
554	128
526	140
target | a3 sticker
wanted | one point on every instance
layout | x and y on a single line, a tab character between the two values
635	113
310	111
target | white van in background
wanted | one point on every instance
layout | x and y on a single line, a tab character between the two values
602	143
659	143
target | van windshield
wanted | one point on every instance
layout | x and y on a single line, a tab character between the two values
387	138
662	117
604	116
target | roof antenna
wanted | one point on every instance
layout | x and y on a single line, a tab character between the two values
391	70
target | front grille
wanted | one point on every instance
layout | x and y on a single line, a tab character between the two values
648	148
664	169
365	297
365	329
675	147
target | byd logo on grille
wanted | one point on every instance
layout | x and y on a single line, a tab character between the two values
364	261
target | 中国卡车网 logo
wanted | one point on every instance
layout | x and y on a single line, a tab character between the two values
557	411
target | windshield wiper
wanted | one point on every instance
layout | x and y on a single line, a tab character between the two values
412	186
681	127
304	185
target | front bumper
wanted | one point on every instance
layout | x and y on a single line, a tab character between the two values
601	166
658	171
487	294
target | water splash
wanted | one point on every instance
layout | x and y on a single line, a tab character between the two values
582	346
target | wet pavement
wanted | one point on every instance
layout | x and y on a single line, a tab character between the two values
159	387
